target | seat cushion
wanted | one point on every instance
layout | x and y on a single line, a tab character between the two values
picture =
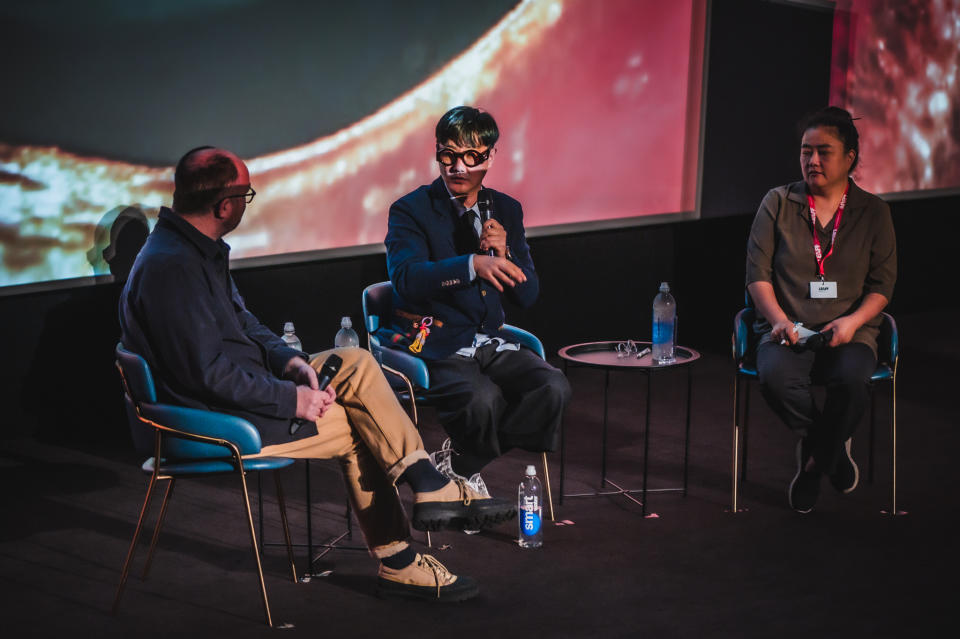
883	372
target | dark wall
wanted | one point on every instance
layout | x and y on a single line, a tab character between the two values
57	380
769	65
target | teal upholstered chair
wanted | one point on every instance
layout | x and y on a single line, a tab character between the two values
744	347
187	442
408	374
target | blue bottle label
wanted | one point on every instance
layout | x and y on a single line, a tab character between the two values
531	523
662	332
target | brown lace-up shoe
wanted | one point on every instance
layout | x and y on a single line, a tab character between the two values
425	579
459	506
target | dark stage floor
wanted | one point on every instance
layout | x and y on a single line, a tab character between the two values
694	570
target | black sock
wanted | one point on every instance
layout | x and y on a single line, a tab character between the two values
423	477
466	465
400	560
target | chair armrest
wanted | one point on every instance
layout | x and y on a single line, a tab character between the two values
526	338
194	422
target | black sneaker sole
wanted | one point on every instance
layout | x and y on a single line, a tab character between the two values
479	515
462	589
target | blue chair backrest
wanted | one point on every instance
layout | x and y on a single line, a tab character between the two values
888	342
136	376
138	388
377	304
742	333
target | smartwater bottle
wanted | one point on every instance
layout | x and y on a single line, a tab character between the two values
290	337
530	507
664	326
346	336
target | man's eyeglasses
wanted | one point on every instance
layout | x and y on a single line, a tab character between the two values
248	196
470	157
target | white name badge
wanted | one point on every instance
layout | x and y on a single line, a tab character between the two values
823	290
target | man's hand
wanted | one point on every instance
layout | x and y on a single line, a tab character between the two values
843	329
494	236
499	271
785	331
312	403
299	371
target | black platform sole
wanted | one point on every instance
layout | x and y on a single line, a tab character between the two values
478	515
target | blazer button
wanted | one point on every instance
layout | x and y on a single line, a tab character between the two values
484	293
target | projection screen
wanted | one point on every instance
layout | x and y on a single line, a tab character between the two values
334	110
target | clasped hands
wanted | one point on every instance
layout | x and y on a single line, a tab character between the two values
312	402
843	329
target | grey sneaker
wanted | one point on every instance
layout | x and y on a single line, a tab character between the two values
476	482
442	459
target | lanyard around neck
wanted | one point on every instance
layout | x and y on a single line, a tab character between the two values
817	251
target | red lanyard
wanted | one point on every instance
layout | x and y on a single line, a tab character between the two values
817	251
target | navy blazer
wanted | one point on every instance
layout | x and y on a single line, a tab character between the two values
430	272
181	311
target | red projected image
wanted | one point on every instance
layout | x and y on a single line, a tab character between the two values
598	104
897	66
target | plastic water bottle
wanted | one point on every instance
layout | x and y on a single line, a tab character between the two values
530	507
346	336
290	337
664	326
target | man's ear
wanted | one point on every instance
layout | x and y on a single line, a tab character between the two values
218	211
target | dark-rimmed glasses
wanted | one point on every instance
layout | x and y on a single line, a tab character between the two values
470	157
248	196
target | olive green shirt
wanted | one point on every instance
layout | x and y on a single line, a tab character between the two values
864	259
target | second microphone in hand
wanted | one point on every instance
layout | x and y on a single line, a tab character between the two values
485	205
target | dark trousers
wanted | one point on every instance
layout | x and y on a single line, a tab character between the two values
785	379
496	401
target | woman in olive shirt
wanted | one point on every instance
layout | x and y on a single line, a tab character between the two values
821	252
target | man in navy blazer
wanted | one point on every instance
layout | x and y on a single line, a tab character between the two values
455	249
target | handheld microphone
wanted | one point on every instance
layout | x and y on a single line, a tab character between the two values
485	205
819	340
327	372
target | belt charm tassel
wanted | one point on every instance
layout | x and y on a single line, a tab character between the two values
424	326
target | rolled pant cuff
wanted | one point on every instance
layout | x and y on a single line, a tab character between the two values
394	472
389	550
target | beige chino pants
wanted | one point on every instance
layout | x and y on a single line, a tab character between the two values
369	433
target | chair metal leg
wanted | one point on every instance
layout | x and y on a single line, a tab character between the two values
263	544
286	527
414	417
546	478
735	470
156	530
746	429
873	411
563	443
894	447
125	571
253	539
894	510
